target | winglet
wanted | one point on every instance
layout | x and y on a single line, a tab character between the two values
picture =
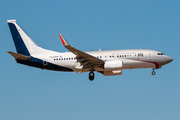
64	42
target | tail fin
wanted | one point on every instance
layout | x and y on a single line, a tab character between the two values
23	43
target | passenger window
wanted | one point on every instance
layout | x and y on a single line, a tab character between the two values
117	55
122	55
140	54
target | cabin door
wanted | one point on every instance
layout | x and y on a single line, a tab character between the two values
45	63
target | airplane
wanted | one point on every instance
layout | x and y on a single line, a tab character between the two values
108	63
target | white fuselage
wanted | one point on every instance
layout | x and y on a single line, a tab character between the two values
131	59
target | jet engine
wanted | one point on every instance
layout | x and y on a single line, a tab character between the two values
113	65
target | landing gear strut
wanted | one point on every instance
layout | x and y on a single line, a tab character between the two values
91	76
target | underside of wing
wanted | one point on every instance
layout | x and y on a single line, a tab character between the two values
86	60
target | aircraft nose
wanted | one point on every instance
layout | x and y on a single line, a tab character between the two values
169	59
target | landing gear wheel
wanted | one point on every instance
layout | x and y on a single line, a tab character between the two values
153	72
91	76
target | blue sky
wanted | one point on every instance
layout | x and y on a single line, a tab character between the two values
28	93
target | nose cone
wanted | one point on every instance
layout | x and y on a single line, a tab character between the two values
169	59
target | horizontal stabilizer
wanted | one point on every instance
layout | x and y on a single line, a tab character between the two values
19	56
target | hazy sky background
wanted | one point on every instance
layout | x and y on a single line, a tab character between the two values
28	93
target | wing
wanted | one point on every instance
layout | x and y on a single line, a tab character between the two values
85	59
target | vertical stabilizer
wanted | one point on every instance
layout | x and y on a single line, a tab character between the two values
23	43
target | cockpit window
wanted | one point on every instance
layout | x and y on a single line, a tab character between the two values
160	53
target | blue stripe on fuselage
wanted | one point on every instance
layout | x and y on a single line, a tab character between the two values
19	44
35	62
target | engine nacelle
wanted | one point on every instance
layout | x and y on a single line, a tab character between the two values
113	65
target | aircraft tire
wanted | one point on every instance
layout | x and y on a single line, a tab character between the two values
91	76
153	72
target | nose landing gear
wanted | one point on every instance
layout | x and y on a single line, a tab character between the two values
153	72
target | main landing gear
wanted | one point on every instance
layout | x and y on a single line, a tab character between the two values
91	76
